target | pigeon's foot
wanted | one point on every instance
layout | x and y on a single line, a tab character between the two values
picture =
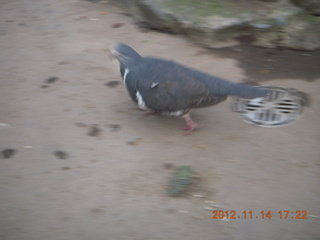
149	112
146	112
191	125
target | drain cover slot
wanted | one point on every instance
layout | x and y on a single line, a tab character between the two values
281	107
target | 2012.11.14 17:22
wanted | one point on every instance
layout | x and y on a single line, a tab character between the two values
282	214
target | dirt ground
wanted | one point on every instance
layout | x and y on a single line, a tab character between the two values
88	165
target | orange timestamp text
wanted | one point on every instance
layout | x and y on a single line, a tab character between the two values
268	214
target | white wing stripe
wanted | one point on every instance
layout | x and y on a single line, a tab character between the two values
141	103
125	74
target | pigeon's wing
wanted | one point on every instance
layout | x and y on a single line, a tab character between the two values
174	89
199	93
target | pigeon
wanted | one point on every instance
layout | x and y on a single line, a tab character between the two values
166	87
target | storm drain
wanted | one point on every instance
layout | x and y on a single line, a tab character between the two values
281	107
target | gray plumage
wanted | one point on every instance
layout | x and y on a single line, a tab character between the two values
164	86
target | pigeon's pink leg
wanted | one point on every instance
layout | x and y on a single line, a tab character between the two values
191	125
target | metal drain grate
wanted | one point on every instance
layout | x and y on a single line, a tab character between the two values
281	107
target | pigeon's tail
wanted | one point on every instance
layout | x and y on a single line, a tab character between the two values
125	54
242	90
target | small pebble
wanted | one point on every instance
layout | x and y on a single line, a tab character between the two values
182	211
61	154
27	147
198	196
117	25
115	127
208	208
8	153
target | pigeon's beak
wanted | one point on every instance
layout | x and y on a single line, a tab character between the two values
111	57
115	54
112	54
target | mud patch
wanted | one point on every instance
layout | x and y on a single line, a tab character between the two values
51	80
113	84
65	168
263	64
97	210
168	166
60	154
48	81
94	130
82	125
8	153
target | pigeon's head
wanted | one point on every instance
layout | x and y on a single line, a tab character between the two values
125	54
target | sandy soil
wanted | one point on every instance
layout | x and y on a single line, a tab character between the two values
109	179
